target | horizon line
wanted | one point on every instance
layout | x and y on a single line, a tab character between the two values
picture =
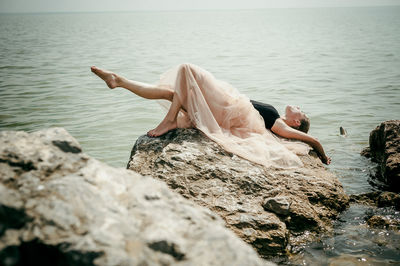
197	9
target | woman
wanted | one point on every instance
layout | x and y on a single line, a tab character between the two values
197	99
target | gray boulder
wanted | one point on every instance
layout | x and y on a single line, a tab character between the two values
384	148
58	206
274	210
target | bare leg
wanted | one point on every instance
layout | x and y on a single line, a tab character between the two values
141	89
147	91
169	122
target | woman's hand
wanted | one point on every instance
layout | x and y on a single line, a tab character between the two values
325	159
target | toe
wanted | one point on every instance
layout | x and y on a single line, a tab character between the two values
94	69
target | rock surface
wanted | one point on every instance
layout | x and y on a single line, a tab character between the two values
384	148
274	210
60	207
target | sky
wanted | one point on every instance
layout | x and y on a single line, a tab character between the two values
23	6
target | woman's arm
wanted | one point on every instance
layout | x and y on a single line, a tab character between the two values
282	129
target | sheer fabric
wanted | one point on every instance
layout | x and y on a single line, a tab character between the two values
228	118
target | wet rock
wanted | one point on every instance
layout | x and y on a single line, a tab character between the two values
384	148
378	198
58	206
269	208
382	222
388	199
343	131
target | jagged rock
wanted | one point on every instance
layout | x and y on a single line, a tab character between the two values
58	206
384	148
239	190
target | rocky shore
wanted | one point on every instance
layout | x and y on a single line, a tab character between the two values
274	210
186	202
58	206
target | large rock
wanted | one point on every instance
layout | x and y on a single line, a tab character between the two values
272	209
60	207
384	148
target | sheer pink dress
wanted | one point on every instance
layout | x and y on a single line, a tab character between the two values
228	118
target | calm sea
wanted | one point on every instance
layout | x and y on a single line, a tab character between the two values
341	65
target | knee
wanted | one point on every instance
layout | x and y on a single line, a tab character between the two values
186	67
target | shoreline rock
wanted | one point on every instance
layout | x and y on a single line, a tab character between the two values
384	148
274	210
58	206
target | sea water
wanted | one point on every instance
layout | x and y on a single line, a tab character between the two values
340	65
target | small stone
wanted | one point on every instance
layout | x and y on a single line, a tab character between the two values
343	131
278	205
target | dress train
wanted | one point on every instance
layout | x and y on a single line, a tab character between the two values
227	117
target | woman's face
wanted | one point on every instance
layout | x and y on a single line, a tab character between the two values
294	114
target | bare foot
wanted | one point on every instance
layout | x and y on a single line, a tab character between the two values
162	128
110	78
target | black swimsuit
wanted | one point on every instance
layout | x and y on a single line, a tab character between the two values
267	111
